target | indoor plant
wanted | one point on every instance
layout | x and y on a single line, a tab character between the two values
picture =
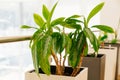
48	42
95	62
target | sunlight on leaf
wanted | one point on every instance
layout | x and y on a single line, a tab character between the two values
94	11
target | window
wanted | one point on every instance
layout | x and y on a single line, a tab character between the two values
15	58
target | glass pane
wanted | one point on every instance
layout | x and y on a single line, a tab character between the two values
15	59
9	18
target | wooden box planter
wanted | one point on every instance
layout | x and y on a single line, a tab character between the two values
96	66
82	75
110	61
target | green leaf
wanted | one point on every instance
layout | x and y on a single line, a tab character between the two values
57	28
114	41
56	38
72	26
44	50
41	50
45	12
68	44
74	16
36	36
35	58
77	49
94	11
38	20
62	42
57	21
92	38
85	22
81	46
72	58
59	42
50	15
69	21
85	51
104	28
27	27
103	37
34	49
80	42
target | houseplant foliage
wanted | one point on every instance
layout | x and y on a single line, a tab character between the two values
104	37
48	42
79	38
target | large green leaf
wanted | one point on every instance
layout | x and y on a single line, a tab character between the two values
37	35
77	49
44	50
50	15
104	28
72	25
68	44
45	12
73	19
35	58
34	49
72	58
63	42
92	38
85	51
59	42
41	51
72	22
69	21
56	38
81	44
94	11
38	20
57	21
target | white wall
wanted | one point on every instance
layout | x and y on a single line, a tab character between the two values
110	14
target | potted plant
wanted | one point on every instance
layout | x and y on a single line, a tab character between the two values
94	61
49	40
104	38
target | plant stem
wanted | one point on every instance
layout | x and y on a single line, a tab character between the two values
64	61
63	68
58	67
96	54
60	59
76	70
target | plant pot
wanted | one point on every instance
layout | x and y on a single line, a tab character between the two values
82	75
96	66
110	61
116	45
